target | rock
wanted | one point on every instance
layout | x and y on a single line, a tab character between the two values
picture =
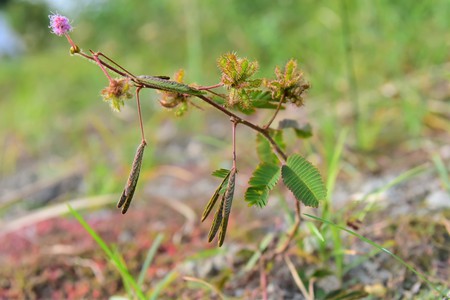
438	200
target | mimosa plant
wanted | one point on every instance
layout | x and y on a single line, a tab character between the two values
242	94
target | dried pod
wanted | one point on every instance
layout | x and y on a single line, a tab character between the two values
216	222
214	198
130	187
227	201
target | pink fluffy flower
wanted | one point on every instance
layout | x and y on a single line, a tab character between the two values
59	24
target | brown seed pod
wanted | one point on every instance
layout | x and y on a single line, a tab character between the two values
130	187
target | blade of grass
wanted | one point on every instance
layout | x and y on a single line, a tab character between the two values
206	253
126	284
254	259
360	260
297	279
333	171
117	262
207	285
161	285
379	247
403	177
149	258
397	180
313	229
442	170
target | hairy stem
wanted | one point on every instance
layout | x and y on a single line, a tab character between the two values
69	39
128	73
138	102
234	141
210	87
100	64
81	53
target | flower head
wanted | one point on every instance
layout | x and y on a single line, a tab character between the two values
60	25
117	91
289	85
236	76
236	71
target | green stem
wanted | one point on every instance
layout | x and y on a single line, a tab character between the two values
293	232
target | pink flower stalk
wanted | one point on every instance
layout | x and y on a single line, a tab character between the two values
59	24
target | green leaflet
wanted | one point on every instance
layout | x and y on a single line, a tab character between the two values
266	175
264	149
257	99
304	180
264	179
278	137
257	195
221	173
302	132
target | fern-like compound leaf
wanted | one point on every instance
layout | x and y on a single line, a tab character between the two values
158	83
264	179
304	180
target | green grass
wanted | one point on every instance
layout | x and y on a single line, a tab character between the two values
379	247
134	287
